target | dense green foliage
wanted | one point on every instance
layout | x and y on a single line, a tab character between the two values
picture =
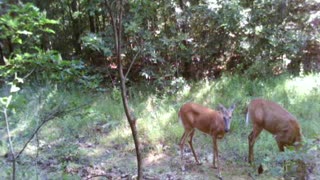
58	71
165	39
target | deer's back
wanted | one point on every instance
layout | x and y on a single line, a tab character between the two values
275	119
202	118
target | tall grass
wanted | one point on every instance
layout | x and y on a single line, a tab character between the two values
157	123
300	95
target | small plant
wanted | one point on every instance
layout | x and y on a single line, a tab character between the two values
116	94
299	163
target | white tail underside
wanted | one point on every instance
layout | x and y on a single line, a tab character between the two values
180	121
247	118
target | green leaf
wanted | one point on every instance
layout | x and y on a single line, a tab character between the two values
44	21
4	100
25	32
12	23
8	101
49	30
17	40
19	80
14	89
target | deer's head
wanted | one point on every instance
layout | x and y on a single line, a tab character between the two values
227	115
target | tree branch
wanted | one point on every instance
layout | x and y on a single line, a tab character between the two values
132	62
57	113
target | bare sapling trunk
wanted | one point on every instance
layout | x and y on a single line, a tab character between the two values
11	154
116	21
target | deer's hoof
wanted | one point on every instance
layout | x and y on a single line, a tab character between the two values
219	177
183	168
199	163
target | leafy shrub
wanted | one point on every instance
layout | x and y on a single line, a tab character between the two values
26	28
300	163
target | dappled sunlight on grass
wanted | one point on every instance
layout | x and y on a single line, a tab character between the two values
184	92
153	158
202	92
156	120
94	152
119	135
20	128
303	86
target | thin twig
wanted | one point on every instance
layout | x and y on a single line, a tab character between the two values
133	60
25	145
27	75
99	175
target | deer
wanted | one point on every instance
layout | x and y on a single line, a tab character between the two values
212	122
270	116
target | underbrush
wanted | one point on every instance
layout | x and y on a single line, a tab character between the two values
94	129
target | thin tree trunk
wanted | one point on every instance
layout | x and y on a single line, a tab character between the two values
91	22
91	19
12	155
2	62
75	27
117	29
183	28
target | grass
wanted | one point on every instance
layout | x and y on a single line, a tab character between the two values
98	134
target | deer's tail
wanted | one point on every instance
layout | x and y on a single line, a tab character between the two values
179	118
247	118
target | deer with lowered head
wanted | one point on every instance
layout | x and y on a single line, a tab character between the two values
276	120
215	123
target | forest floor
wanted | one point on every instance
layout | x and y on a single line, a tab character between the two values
114	163
92	158
117	162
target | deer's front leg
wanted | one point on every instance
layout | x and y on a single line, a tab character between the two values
216	156
215	153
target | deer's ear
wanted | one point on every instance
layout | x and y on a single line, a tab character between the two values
221	107
233	107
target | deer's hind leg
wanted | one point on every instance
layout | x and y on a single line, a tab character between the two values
251	141
181	145
191	146
187	132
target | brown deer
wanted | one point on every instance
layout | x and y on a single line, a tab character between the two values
275	119
215	123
